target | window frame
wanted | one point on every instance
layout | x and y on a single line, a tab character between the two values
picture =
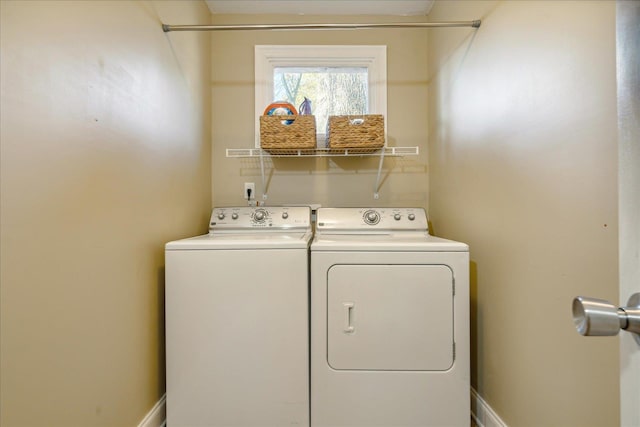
268	57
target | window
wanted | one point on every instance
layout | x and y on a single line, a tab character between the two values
331	90
337	80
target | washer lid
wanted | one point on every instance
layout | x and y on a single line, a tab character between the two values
243	241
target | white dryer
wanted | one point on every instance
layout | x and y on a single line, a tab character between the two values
237	320
389	321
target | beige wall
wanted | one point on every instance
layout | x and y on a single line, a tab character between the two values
335	181
523	160
105	156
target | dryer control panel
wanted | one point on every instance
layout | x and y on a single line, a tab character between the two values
269	218
380	219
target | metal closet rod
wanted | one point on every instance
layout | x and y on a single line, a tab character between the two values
166	28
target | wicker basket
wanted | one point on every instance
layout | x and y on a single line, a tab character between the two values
285	133
365	133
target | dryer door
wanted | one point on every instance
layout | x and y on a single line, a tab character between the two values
390	317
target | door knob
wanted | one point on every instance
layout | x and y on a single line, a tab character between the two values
597	317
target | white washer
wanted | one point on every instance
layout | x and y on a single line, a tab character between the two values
237	320
389	321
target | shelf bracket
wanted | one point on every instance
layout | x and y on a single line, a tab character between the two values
376	196
264	182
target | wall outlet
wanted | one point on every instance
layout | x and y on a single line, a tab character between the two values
249	191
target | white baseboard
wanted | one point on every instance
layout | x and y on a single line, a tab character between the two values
157	417
482	413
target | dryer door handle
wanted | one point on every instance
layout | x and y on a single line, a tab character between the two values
348	312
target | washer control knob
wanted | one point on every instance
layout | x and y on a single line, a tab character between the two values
221	215
371	217
259	215
234	215
285	215
411	217
397	217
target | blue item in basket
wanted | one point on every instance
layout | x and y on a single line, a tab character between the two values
281	108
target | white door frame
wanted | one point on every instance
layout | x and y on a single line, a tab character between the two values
628	80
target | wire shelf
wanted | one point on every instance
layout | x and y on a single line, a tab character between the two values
324	152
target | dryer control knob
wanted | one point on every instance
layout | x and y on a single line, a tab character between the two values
285	215
221	215
371	217
234	216
397	217
411	217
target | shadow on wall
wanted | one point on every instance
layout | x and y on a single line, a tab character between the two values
162	357
468	41
475	321
333	166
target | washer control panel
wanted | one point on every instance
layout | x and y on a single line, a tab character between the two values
264	217
380	219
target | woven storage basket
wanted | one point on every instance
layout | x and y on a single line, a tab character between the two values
277	135
365	133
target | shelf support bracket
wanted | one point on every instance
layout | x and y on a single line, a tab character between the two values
376	196
264	182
